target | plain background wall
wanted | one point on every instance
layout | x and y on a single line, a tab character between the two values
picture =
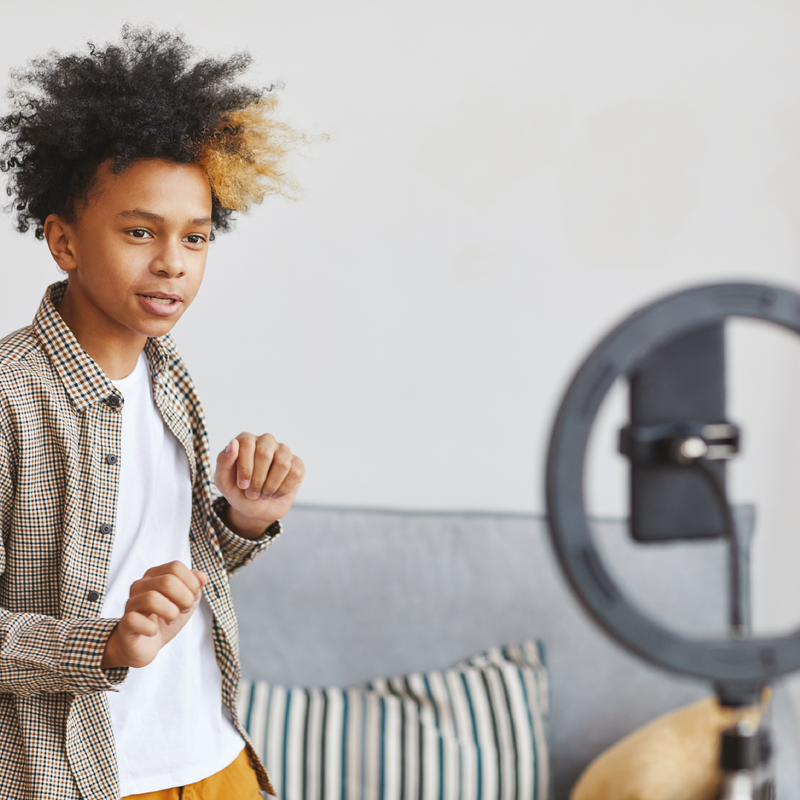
502	183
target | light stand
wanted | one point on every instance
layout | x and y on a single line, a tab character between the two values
674	455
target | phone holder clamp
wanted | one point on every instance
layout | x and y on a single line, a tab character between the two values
680	444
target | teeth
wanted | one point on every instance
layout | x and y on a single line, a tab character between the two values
165	301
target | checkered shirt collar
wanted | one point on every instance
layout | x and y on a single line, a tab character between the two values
83	380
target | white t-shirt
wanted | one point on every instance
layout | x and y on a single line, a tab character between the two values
170	727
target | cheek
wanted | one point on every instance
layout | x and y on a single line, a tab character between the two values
197	275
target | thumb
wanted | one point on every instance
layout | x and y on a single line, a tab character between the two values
225	475
202	577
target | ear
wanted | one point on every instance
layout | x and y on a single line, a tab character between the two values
60	241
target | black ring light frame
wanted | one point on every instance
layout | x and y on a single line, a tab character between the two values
738	667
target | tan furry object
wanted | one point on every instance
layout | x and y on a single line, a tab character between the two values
674	757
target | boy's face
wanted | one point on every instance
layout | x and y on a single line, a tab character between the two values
137	250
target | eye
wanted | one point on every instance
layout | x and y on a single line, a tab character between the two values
195	238
139	233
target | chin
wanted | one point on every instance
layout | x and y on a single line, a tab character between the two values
155	329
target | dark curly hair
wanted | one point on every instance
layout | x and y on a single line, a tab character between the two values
141	98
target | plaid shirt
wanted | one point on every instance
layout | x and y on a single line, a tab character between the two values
60	419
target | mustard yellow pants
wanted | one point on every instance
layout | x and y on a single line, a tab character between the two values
236	782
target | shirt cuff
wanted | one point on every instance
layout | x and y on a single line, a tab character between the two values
83	653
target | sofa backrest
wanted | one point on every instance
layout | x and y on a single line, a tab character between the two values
347	595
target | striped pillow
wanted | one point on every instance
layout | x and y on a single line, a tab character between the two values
474	731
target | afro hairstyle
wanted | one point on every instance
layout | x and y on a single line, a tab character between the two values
145	97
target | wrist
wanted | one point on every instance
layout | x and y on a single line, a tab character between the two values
244	526
112	657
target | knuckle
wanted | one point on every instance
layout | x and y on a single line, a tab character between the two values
261	459
282	460
151	598
178	588
169	584
265	454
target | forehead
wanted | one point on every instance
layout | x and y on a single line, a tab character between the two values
166	188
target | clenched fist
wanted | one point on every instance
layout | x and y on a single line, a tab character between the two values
160	604
260	478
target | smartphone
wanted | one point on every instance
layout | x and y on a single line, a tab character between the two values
682	381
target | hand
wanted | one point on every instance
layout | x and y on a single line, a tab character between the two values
160	604
260	478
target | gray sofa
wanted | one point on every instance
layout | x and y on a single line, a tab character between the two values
347	595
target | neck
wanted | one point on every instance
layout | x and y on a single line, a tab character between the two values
115	350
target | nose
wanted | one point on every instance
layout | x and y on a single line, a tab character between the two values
169	260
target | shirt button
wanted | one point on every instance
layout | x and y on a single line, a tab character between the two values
105	528
92	596
113	401
111	459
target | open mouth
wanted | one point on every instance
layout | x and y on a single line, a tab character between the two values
160	304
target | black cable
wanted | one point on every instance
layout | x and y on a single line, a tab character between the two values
737	615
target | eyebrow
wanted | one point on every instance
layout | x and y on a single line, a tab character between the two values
138	213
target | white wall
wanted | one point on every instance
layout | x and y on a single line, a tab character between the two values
504	180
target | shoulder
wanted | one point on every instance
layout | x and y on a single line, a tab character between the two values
25	376
19	354
17	346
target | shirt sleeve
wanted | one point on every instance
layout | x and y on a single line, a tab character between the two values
237	551
43	654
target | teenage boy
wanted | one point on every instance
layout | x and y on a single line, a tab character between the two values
118	641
